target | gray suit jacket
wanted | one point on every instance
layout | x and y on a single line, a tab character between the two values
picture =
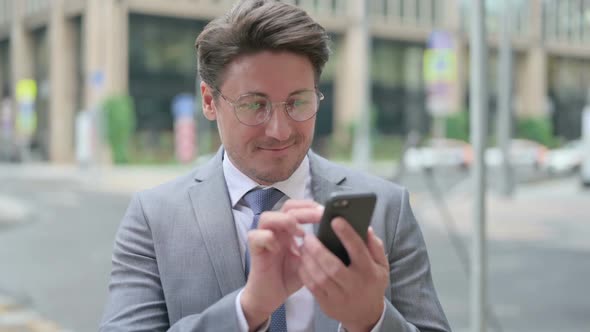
177	266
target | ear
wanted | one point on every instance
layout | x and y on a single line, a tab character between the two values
207	100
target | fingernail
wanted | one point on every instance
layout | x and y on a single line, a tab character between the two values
295	250
337	225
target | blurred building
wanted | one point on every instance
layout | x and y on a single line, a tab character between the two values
80	51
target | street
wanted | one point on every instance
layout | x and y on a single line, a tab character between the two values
539	257
56	263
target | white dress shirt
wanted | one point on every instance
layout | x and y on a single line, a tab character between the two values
300	305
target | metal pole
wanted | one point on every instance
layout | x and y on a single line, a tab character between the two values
439	126
361	152
504	123
478	108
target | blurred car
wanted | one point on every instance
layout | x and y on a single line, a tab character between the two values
523	153
439	152
565	159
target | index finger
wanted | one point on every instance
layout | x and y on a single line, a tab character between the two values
353	243
307	215
279	221
299	204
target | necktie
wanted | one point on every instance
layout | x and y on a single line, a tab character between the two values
260	200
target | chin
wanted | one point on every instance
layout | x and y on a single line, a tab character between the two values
277	173
271	177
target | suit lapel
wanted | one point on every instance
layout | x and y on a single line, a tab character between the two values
213	212
326	178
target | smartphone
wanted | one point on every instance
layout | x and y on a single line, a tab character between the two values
357	208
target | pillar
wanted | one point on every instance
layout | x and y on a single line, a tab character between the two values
106	35
348	80
62	76
532	84
106	50
21	48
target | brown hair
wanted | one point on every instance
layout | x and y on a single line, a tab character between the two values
255	25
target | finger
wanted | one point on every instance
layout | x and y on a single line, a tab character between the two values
376	248
309	283
307	215
327	261
353	243
298	204
294	248
280	222
320	280
261	240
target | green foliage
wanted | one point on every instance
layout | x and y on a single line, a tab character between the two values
150	147
457	126
387	147
537	129
120	126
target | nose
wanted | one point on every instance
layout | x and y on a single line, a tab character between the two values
279	124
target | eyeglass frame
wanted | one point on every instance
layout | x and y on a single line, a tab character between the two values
270	105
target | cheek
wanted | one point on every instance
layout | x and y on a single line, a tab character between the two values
307	129
238	137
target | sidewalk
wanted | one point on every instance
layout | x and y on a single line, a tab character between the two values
532	214
15	316
13	211
125	179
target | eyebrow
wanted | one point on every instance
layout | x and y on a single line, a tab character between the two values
259	93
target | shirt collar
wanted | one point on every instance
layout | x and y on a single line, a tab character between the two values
238	184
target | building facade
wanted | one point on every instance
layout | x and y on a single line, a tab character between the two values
82	51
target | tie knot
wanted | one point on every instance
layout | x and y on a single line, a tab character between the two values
260	200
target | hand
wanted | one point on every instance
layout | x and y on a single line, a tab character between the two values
352	295
275	258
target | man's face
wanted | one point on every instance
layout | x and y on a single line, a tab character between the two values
272	151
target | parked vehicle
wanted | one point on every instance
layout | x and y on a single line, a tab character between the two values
439	152
523	153
565	159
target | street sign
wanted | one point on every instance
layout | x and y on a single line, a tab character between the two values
440	73
97	79
26	120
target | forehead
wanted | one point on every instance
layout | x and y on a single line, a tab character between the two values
271	73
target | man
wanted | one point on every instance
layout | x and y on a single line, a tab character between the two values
184	257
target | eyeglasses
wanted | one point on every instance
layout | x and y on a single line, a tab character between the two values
253	109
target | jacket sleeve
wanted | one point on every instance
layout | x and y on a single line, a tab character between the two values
414	304
136	300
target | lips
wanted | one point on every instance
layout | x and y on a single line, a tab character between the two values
276	149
